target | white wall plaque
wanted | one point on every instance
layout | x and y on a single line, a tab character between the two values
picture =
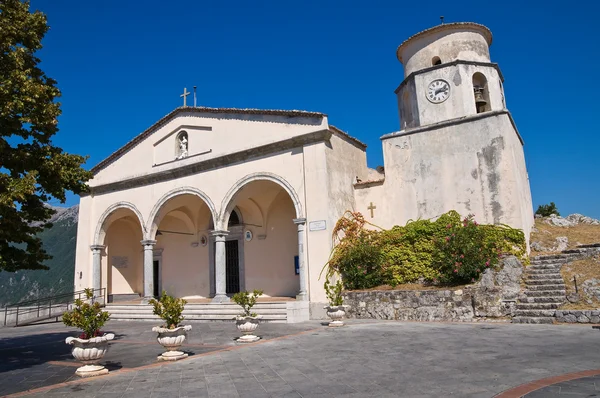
317	225
120	261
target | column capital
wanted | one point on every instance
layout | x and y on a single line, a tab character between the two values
299	221
148	242
218	233
97	247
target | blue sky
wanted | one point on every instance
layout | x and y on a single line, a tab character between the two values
121	66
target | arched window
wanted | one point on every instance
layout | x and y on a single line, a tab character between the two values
181	145
234	218
481	93
436	61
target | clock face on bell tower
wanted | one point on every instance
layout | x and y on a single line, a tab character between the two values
438	91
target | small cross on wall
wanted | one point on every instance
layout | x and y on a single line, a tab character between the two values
371	207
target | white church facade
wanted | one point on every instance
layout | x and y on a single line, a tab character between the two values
211	201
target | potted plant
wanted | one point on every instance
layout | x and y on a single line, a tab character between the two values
336	310
247	321
91	345
171	334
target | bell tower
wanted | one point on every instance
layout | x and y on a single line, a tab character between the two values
458	147
448	74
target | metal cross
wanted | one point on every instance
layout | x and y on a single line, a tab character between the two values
184	95
371	207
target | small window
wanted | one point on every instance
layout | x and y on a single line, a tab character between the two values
181	145
436	61
234	219
481	93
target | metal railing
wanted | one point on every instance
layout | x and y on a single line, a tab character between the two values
49	307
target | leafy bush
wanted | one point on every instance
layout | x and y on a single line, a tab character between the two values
247	301
169	309
87	317
547	210
422	250
334	292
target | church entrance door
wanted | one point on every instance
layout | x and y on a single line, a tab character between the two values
232	266
155	275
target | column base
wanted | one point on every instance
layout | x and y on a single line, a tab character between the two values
302	297
221	298
146	300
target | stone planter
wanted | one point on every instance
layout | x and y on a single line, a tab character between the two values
171	340
247	325
90	352
336	313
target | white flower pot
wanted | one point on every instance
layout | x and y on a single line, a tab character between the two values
90	352
336	313
247	325
171	340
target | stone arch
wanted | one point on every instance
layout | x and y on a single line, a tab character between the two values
228	201
100	233
153	226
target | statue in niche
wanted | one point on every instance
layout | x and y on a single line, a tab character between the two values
183	146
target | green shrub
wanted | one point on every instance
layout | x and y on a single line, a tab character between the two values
247	301
87	317
421	250
547	210
360	266
467	249
169	309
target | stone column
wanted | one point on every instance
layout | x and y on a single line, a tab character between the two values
148	269
220	270
96	268
303	294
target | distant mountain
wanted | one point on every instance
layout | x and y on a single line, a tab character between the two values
59	241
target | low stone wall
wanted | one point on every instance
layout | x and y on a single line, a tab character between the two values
410	305
578	316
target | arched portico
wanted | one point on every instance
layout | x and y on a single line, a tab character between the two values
270	242
118	231
176	255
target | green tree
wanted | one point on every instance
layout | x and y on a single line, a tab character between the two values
32	169
547	210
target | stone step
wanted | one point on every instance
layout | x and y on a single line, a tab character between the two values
209	318
529	319
537	306
543	271
554	256
544	299
546	281
547	275
546	293
544	266
556	286
535	313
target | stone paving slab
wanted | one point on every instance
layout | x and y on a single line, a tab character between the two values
364	359
36	356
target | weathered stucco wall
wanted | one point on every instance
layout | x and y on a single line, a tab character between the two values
477	170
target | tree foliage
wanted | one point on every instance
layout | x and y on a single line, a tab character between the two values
169	309
32	170
87	316
547	210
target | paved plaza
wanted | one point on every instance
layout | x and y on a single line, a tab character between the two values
363	359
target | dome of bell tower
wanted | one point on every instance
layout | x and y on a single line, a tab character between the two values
465	41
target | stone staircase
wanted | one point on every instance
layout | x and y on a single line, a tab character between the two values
276	312
545	288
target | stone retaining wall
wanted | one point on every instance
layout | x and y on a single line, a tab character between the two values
410	305
578	316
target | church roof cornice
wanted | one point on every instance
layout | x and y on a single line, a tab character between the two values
200	110
484	30
347	136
